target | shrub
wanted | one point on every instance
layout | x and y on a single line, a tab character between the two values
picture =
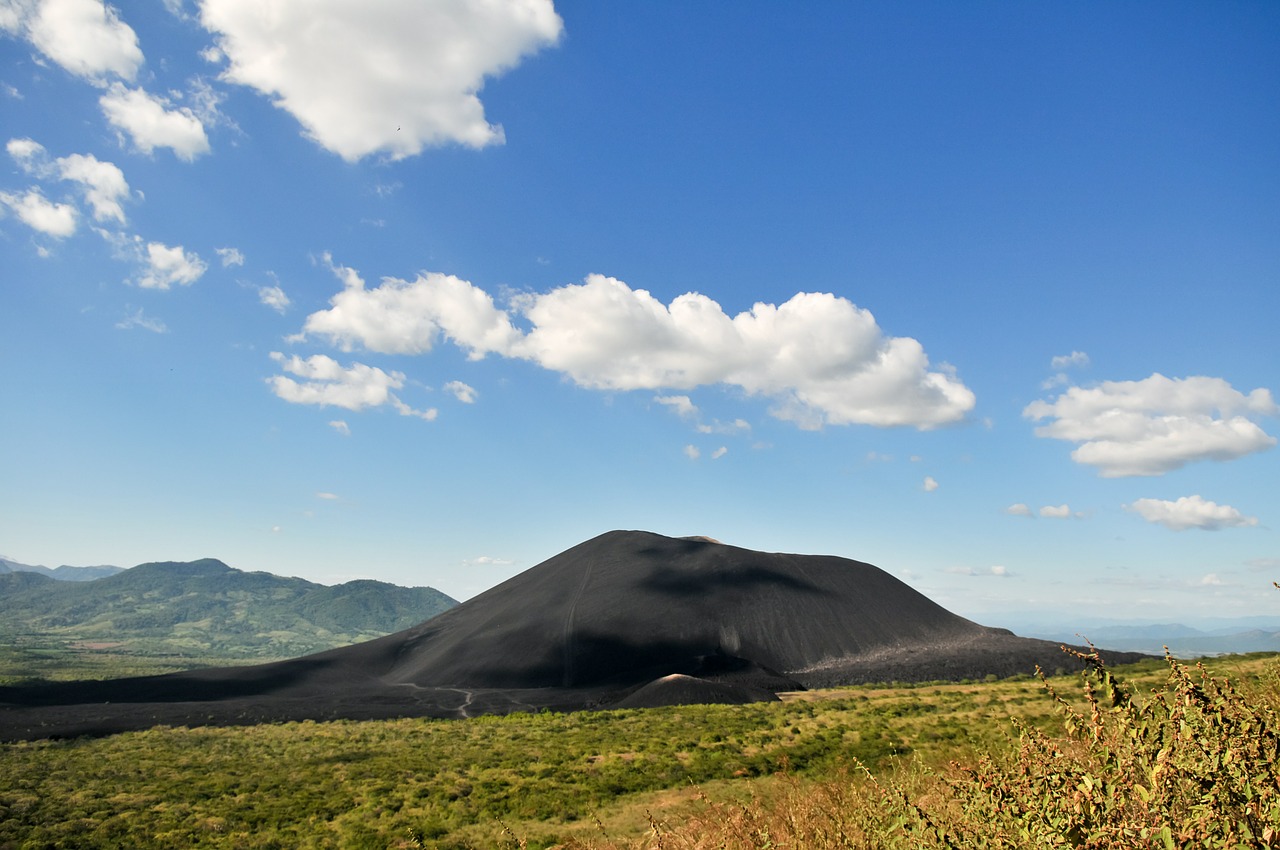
1191	765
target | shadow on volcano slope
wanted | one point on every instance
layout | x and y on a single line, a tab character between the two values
586	628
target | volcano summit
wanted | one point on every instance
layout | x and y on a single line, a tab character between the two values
628	618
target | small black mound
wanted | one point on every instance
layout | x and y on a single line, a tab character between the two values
678	689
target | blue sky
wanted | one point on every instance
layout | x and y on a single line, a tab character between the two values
983	294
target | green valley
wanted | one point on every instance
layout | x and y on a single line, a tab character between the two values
161	617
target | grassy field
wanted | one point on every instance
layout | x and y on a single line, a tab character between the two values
604	779
28	658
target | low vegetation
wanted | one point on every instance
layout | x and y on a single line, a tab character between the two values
1191	764
1168	757
32	658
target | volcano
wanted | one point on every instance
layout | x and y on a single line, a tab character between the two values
628	618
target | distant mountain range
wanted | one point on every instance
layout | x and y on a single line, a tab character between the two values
62	573
206	607
1183	641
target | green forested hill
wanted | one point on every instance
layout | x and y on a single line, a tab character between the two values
205	609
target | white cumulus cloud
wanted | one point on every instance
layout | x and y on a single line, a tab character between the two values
1156	425
103	184
692	452
929	484
391	77
86	37
1056	511
165	266
819	358
326	382
1018	509
341	427
410	317
28	153
1190	512
151	123
41	214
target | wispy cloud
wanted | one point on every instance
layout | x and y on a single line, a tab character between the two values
680	404
137	319
996	571
488	561
230	256
274	297
1066	361
462	392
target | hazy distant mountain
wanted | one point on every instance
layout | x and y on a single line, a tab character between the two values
205	606
1183	641
62	573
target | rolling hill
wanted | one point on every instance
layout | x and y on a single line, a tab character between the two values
615	617
207	607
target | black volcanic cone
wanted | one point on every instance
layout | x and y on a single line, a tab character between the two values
630	606
585	628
